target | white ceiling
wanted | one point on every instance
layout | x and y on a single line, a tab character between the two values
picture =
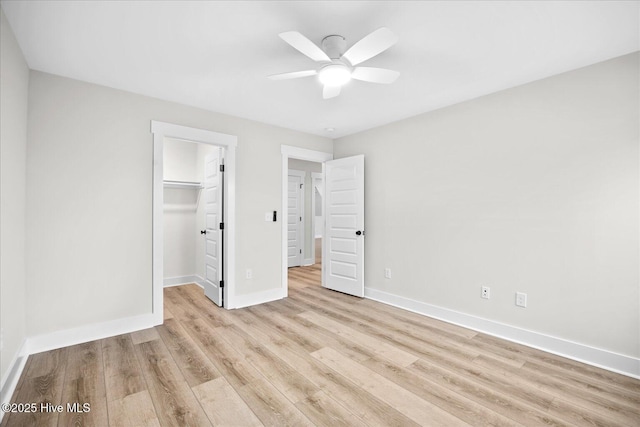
216	55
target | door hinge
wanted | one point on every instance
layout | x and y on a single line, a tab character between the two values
300	185
300	250
222	226
221	168
300	218
221	284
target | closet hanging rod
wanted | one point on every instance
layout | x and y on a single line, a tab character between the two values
182	184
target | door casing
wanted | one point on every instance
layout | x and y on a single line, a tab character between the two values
160	130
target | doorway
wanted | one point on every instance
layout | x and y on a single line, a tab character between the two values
161	131
300	158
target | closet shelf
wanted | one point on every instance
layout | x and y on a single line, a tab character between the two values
183	184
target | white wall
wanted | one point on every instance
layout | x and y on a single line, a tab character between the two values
533	189
309	233
14	84
89	185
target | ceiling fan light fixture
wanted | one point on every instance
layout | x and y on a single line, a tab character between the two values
334	75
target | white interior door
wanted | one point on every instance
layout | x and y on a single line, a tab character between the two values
213	183
343	245
295	226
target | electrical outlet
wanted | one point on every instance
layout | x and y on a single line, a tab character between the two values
268	216
521	299
485	292
387	273
249	274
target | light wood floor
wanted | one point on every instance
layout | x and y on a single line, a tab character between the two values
316	358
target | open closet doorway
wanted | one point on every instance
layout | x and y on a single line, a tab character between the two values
193	216
213	197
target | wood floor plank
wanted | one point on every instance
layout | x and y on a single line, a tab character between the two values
324	411
380	347
172	397
286	380
84	385
223	405
194	296
270	406
224	357
123	375
144	335
133	410
419	410
194	364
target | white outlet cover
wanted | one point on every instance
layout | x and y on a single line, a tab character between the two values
521	299
268	216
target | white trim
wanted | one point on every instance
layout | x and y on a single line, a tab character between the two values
600	358
308	261
10	380
258	298
161	130
95	331
290	152
183	280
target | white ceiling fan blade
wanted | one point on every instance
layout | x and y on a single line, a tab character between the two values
304	45
374	75
294	75
330	91
373	44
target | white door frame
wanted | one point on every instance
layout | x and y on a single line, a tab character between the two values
290	152
161	130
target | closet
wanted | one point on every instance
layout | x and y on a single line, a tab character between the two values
184	211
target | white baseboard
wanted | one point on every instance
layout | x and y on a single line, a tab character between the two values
182	280
600	358
240	301
88	333
308	261
10	380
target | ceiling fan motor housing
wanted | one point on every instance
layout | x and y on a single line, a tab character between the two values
334	46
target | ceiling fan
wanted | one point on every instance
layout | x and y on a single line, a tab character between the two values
338	65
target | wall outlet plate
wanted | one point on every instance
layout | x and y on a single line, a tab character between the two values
249	274
387	273
485	292
521	299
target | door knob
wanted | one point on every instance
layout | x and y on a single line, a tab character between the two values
203	231
359	232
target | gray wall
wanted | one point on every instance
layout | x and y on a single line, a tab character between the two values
533	189
14	84
89	187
